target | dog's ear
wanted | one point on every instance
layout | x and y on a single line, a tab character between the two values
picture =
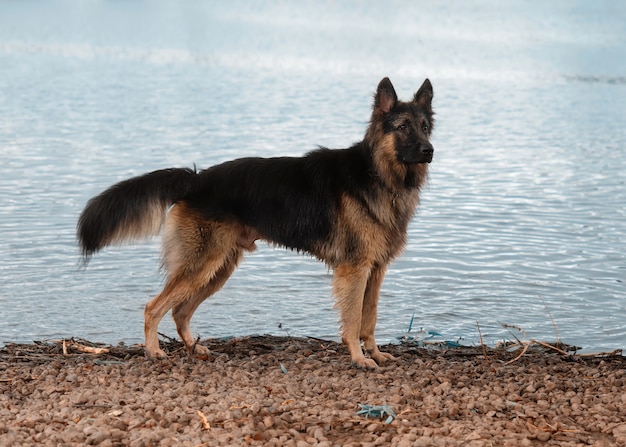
385	97
424	96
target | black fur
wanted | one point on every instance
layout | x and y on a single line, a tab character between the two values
288	200
124	202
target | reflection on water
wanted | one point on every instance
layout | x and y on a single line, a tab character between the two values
524	211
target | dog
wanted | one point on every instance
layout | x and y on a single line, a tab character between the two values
350	208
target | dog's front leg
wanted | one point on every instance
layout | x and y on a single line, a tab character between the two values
349	283
369	315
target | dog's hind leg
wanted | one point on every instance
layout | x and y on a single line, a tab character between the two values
349	283
196	251
369	314
175	289
183	311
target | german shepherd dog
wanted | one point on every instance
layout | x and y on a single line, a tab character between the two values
347	207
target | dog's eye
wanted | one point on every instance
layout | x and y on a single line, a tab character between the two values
402	127
425	128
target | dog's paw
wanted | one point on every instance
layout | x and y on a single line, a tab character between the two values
365	363
199	352
382	357
156	354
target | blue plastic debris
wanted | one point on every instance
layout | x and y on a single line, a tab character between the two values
423	337
377	411
283	369
419	337
411	323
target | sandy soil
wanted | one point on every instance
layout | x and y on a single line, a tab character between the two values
301	392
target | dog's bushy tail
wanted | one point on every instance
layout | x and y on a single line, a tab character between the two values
132	209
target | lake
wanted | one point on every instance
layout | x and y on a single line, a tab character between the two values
523	221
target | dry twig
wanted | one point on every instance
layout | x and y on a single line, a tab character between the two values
205	423
556	331
481	342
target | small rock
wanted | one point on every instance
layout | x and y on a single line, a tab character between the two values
319	434
396	399
478	443
258	436
620	433
372	427
422	441
473	436
268	421
97	438
432	413
544	436
531	413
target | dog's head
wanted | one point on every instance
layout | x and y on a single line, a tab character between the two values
410	124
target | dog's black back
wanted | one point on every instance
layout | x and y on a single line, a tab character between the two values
290	201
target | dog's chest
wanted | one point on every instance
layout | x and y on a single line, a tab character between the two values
387	218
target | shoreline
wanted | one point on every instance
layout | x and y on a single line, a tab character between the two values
269	390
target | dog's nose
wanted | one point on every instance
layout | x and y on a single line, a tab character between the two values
426	149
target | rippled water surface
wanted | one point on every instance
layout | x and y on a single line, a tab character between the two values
524	216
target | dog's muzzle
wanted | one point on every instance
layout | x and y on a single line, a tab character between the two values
423	153
427	153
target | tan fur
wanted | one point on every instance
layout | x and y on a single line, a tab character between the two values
198	255
358	276
148	225
349	284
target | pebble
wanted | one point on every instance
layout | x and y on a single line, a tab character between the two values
619	432
249	401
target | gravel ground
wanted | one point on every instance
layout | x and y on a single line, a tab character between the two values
302	392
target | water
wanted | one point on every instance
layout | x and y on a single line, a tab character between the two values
525	212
